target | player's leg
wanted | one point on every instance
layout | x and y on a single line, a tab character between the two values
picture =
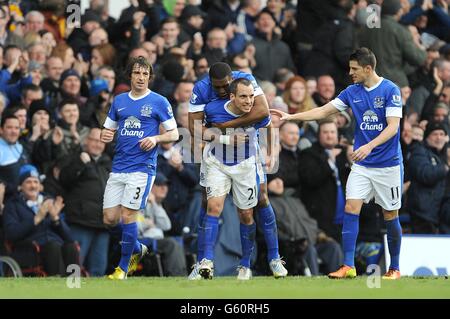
194	275
268	223
388	194
201	227
359	189
248	234
112	200
137	188
394	238
211	230
112	210
218	185
245	197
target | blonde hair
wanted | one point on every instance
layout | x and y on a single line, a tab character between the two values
307	103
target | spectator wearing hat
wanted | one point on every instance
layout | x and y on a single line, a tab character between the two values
31	216
83	177
39	122
70	85
98	104
79	38
271	53
428	168
63	140
192	18
153	222
392	44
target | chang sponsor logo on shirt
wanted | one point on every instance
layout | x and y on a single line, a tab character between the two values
132	127
370	122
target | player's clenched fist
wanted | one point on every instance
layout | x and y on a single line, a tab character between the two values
148	143
107	135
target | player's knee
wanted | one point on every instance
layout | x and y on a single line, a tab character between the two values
246	216
110	219
390	215
214	209
352	208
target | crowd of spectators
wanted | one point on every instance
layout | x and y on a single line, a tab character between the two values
59	75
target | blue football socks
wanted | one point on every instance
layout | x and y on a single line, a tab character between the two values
248	233
350	231
394	238
129	238
268	223
211	229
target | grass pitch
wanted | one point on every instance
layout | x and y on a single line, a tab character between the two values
225	288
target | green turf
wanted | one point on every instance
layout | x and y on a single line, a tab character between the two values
224	287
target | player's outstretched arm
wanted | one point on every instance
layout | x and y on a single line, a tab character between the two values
260	110
317	113
107	135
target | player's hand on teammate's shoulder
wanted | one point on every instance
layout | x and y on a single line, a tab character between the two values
148	143
107	135
283	116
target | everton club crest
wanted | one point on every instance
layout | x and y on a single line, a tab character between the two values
378	103
146	110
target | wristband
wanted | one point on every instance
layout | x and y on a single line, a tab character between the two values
224	139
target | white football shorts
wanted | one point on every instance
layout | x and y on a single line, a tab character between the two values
385	184
220	178
130	190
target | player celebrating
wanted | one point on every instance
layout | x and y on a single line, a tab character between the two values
233	165
213	87
378	170
136	117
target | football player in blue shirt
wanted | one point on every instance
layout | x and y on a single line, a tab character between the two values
135	117
231	166
216	86
377	170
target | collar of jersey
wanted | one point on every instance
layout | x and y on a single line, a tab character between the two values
138	98
375	86
228	110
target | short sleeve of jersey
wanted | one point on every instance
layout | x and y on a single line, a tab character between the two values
341	102
263	123
197	102
394	103
111	121
166	115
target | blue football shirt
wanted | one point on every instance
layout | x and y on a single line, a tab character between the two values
135	119
217	111
371	107
203	91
